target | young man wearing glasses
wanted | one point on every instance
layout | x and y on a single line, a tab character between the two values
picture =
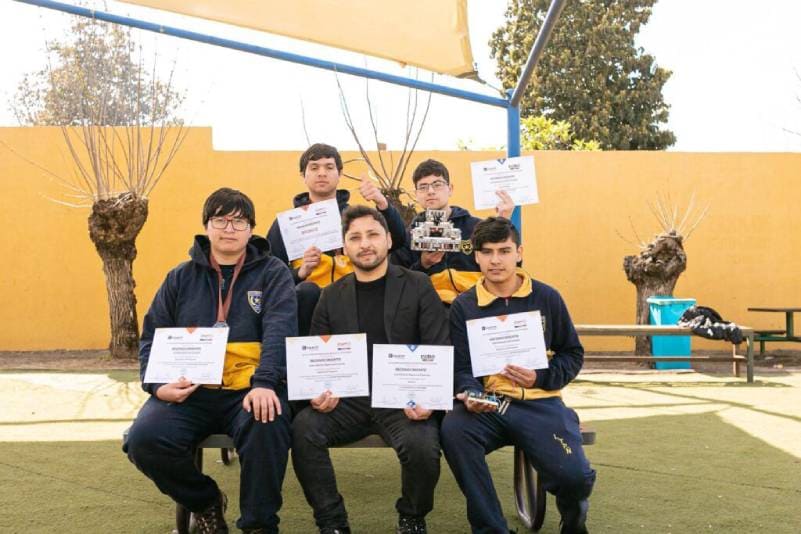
451	273
230	280
321	168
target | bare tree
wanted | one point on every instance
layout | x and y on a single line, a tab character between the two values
656	269
121	135
387	172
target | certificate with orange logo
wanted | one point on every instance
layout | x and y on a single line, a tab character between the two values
516	339
197	354
318	224
315	364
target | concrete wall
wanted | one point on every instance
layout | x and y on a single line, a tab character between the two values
746	252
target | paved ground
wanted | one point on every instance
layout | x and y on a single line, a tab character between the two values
73	405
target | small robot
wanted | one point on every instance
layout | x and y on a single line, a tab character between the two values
500	402
436	234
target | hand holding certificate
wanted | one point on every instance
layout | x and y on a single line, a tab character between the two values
318	224
197	354
405	376
507	339
516	176
338	364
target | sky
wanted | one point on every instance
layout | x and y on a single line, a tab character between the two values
735	86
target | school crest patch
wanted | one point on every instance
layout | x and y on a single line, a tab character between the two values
254	299
466	247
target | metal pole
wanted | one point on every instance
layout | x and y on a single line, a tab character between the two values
269	52
512	151
539	45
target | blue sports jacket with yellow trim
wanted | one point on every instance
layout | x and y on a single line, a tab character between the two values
263	313
566	355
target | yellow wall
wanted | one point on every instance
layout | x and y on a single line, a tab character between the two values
745	253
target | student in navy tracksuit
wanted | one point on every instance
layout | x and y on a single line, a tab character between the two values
451	272
320	168
251	403
536	419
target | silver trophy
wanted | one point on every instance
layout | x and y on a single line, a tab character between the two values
436	234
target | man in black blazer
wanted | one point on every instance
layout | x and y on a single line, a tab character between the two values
391	305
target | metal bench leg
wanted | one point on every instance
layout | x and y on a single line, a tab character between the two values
529	495
184	519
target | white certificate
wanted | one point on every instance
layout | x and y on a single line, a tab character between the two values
413	375
516	176
318	363
318	224
197	354
496	341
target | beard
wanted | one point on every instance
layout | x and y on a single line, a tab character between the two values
370	264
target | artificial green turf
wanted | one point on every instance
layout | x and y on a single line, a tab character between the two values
679	474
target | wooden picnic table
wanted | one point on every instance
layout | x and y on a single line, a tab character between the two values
667	330
788	334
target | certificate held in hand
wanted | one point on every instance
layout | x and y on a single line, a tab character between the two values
517	338
405	376
197	354
318	224
337	363
516	176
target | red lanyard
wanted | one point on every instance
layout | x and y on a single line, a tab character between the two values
223	307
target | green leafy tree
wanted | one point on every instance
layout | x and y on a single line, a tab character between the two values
542	133
591	74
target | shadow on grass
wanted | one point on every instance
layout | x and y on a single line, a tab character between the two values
676	474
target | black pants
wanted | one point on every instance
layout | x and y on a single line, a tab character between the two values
415	442
162	438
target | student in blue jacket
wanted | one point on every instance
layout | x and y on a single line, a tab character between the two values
534	418
451	272
321	169
232	280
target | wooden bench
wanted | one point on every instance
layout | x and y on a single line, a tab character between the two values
660	330
529	494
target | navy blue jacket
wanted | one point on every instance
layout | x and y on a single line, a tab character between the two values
561	340
263	307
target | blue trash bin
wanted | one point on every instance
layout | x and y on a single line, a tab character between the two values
666	310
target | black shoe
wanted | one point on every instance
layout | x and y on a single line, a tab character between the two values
574	516
335	530
411	525
212	519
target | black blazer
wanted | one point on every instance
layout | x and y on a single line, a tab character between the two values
413	312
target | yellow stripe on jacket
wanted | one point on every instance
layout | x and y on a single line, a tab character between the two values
500	384
450	283
241	360
339	265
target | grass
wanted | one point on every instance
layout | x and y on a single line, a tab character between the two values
676	453
680	474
